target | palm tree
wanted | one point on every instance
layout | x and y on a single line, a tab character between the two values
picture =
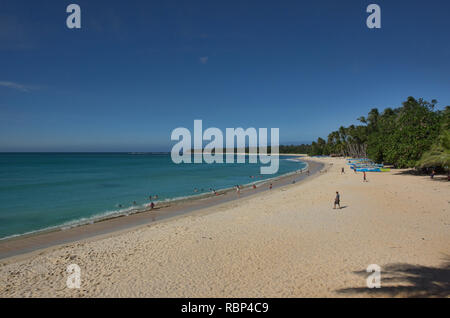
439	154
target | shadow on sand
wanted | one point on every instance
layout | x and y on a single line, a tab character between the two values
442	177
405	280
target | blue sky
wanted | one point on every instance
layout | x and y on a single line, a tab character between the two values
138	69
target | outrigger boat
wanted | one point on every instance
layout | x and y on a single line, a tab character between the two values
366	165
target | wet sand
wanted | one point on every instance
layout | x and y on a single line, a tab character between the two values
29	243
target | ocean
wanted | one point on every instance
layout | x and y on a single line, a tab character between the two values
40	191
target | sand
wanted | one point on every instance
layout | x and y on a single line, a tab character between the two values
286	242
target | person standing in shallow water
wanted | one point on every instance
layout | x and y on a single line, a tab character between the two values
337	200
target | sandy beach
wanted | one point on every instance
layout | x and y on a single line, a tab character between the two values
286	242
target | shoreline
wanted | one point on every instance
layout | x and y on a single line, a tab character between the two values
100	217
29	243
287	242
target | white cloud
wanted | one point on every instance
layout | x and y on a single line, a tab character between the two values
204	60
17	86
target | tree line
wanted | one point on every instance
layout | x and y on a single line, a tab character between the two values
413	135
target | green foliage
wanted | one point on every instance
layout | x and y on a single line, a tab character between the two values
399	136
439	154
403	135
301	149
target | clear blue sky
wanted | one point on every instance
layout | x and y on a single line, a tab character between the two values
138	69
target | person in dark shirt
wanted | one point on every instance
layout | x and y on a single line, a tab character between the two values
337	200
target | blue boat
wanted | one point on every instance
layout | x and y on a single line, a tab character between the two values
374	169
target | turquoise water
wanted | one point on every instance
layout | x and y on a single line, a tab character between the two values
41	191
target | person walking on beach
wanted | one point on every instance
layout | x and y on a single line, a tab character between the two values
270	186
342	171
337	201
238	190
152	205
433	173
364	177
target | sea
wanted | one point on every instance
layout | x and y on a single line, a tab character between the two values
44	191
